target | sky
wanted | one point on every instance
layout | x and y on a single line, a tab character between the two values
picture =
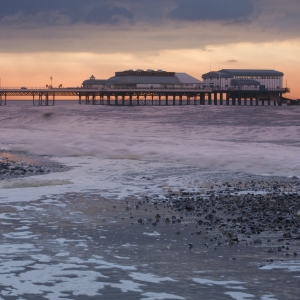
71	40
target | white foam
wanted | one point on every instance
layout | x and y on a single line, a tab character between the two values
62	254
127	286
291	266
127	245
149	277
268	297
121	257
216	282
118	154
6	249
239	296
160	296
20	235
155	233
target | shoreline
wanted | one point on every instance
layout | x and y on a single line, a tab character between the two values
17	164
237	209
243	230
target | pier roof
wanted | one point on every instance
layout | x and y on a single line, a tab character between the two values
252	72
231	73
95	82
131	77
123	80
187	79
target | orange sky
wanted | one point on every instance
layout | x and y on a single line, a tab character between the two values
70	69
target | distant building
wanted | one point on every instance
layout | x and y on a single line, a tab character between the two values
239	79
141	79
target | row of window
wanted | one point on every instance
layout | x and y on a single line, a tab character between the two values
257	77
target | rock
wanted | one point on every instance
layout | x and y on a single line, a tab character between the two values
257	242
287	235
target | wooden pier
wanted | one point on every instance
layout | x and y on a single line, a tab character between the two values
148	97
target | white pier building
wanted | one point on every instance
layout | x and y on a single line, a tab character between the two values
239	79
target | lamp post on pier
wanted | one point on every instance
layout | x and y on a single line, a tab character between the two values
51	78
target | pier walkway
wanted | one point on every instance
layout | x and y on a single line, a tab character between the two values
128	97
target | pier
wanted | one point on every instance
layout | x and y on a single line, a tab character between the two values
147	97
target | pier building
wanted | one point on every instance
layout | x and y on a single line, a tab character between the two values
240	79
224	87
141	79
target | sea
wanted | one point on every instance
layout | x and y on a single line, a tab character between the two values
74	235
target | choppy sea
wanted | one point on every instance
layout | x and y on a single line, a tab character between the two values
61	239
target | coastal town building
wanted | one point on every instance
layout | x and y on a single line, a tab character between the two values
239	79
141	79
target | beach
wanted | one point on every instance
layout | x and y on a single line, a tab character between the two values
150	202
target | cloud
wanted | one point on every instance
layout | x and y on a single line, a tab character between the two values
232	61
109	14
58	12
131	26
212	10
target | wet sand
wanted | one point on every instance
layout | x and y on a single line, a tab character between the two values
231	240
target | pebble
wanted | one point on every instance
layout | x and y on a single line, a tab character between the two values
13	165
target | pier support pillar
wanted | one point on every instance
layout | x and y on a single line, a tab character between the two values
257	101
239	99
215	98
227	99
202	99
209	98
280	100
233	100
167	99
180	100
2	102
221	98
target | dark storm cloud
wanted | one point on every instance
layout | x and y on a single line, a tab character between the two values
108	14
212	10
57	12
83	25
